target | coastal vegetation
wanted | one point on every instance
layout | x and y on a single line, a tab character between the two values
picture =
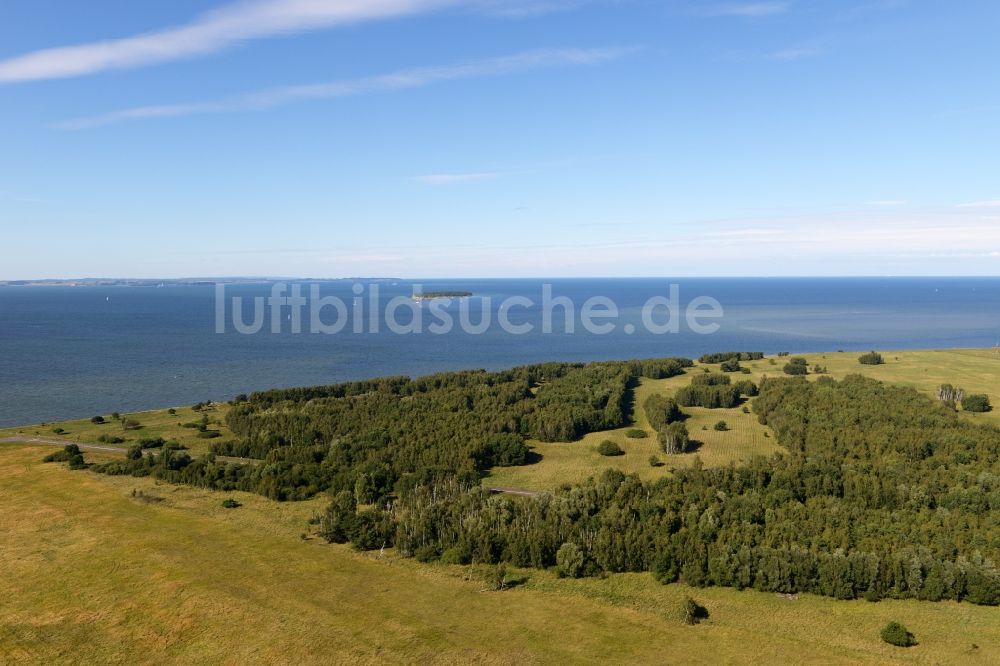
923	493
374	433
722	357
775	523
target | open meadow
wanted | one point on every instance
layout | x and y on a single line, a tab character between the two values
93	573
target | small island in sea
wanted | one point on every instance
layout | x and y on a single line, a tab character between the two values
431	295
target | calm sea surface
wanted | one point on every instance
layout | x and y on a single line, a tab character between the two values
77	351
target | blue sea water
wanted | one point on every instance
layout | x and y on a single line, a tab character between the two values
70	352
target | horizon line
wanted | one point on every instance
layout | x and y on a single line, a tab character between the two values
279	278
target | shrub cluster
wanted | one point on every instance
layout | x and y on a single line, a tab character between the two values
732	365
609	448
722	357
796	366
896	634
711	390
871	358
71	455
977	402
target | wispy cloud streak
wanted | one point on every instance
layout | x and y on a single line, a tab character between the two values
994	203
748	9
403	79
209	33
455	178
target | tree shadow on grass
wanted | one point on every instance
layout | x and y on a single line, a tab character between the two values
694	445
532	457
511	583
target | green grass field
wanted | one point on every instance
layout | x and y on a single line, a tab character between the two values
573	462
152	424
92	574
975	370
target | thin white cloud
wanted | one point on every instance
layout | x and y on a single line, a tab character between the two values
794	54
525	8
403	79
455	178
749	9
993	203
886	202
239	22
211	32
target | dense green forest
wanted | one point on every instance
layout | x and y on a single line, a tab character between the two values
381	438
882	492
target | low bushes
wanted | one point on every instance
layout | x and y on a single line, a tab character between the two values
693	611
796	366
896	634
71	454
732	365
871	358
609	448
977	402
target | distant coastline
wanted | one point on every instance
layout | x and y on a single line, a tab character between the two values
177	282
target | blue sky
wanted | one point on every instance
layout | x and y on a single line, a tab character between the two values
432	138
